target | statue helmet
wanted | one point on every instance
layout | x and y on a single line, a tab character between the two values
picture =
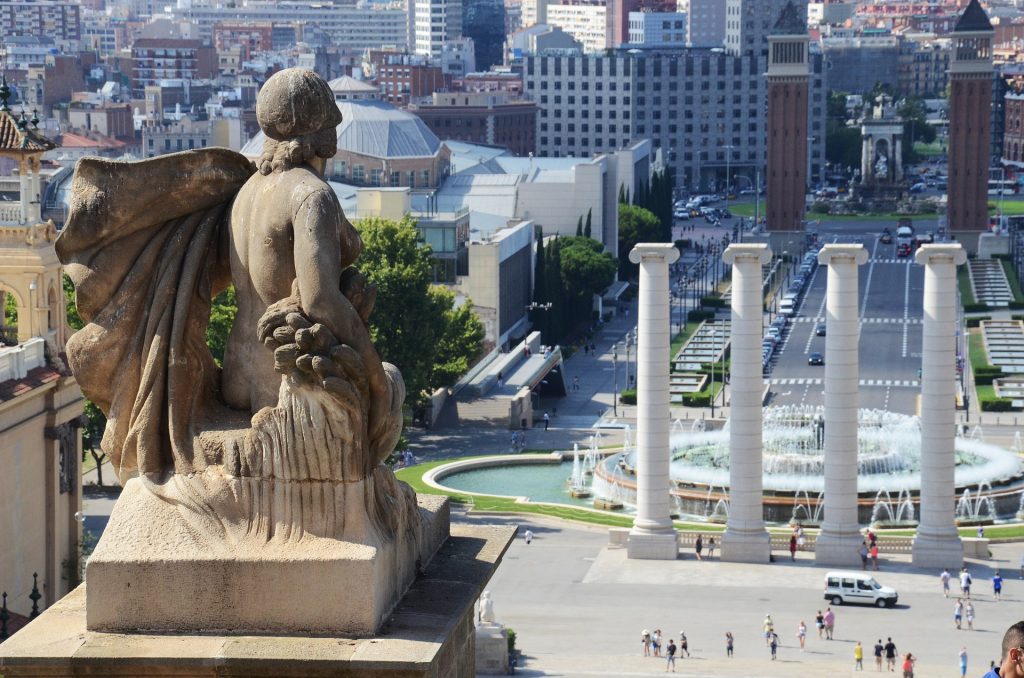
294	102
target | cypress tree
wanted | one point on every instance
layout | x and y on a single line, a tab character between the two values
579	226
586	228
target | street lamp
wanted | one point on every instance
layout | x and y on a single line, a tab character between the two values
615	380
728	168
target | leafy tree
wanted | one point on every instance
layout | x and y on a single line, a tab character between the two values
96	421
74	320
586	228
579	226
842	143
413	326
222	317
636	224
586	268
915	127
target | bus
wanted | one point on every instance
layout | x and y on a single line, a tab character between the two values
1004	187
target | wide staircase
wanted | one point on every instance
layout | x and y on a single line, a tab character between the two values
989	282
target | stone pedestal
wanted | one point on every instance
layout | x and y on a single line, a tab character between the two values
430	634
840	534
491	650
653	535
745	539
937	543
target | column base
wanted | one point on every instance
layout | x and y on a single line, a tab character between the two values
746	547
935	552
838	548
652	545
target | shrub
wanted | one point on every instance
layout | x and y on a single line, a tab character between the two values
628	397
683	244
996	405
712	302
1016	306
976	322
511	635
976	308
821	207
697	315
701	399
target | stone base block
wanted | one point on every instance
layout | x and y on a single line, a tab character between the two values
491	650
430	634
838	549
158	569
937	553
746	547
647	546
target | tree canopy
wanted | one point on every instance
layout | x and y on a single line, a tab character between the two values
636	224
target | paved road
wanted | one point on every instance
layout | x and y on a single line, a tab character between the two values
578	609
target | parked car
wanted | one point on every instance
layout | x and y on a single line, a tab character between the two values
816	359
858	587
886	237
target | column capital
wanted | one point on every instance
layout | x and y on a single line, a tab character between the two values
747	252
842	252
941	253
654	251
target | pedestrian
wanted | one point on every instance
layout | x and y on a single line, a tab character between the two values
872	537
890	654
965	582
528	536
774	644
656	642
874	556
962	656
684	645
981	531
879	649
501	380
576	383
1022	565
800	536
969	615
728	643
670	656
858	657
997	586
819	621
908	665
801	634
769	629
711	548
830	622
645	640
863	552
792	547
547	420
1012	656
944	578
698	546
958	612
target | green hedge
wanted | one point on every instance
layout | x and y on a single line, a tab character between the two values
628	397
1015	305
712	302
700	399
996	405
697	315
976	308
976	322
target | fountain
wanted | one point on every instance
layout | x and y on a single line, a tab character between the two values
577	481
1018	444
888	513
980	510
1020	507
808	512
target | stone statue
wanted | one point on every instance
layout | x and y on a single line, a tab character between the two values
486	608
287	440
882	166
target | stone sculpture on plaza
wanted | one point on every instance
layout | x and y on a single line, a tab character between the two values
255	495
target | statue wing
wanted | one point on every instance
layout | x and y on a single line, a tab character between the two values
143	244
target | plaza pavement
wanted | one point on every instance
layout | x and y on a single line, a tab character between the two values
578	609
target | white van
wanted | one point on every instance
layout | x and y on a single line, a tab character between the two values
858	587
787	307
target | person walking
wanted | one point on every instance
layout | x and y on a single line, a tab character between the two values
1011	659
684	645
873	553
958	612
645	640
944	578
528	536
819	621
969	615
997	586
698	546
769	629
962	656
801	634
830	622
965	583
863	553
547	420
879	649
858	657
774	645
890	654
656	643
908	665
728	643
670	656
792	547
711	548
1022	565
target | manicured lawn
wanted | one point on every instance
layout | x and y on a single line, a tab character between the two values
1010	207
1011	275
963	281
682	338
745	209
976	349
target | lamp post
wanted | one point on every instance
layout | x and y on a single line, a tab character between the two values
615	380
728	169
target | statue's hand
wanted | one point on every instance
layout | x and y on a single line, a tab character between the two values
360	294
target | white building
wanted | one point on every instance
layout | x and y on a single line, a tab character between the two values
458	57
434	22
586	23
657	29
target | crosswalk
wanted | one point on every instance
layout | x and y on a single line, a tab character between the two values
867	321
817	381
893	260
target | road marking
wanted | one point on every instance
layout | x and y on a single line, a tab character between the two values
906	311
885	401
818	381
867	283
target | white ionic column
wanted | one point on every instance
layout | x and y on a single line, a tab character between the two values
937	543
35	194
653	536
840	530
24	189
867	158
745	539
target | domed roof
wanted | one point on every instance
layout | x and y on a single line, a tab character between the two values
376	129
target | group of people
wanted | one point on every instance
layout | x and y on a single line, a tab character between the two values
868	551
653	645
698	547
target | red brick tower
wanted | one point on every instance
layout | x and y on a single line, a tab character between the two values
970	108
788	76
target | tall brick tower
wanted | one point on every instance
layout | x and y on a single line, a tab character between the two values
970	105
788	76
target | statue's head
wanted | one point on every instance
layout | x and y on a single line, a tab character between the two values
297	113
